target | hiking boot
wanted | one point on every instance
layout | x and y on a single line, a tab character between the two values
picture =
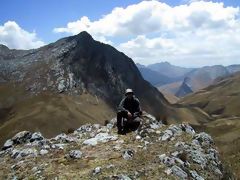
121	132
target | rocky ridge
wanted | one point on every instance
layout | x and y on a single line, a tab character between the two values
155	151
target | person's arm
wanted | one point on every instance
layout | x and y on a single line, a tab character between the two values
138	107
121	106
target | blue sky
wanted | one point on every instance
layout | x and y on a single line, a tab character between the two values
44	15
137	28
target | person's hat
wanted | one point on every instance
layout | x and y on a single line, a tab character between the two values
128	91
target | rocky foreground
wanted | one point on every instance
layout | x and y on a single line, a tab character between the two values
156	151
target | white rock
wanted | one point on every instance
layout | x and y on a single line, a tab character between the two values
63	138
101	137
75	154
162	156
195	175
155	125
128	154
61	85
7	144
177	171
103	129
117	147
204	139
168	171
167	134
21	137
43	152
90	142
168	161
110	166
97	170
85	128
37	136
198	157
58	146
188	129
176	130
138	137
28	152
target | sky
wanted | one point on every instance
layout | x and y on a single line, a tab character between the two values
189	33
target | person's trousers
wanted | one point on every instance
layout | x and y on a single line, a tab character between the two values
125	124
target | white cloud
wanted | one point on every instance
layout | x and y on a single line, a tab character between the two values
13	36
197	33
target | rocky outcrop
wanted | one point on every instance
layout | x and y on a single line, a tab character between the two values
185	88
98	152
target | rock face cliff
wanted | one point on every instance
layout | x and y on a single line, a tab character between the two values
75	65
97	152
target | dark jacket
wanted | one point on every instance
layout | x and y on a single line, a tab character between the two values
132	105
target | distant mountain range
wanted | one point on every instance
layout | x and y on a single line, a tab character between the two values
171	79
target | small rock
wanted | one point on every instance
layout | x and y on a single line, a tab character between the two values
128	154
43	152
168	161
75	154
58	146
138	137
34	169
168	171
97	170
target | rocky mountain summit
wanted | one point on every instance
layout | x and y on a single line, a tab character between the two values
75	65
155	151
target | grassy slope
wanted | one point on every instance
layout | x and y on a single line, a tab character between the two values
47	113
221	99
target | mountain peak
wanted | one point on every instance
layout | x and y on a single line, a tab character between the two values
85	36
3	46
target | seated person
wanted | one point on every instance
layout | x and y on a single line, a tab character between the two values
129	108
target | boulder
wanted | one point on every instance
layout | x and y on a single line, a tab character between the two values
8	144
101	137
22	137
